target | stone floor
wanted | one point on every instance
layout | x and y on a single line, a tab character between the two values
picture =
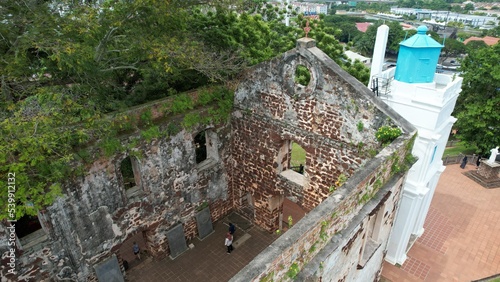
461	241
208	260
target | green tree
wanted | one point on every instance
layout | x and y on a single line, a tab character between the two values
468	7
61	71
366	42
452	48
495	32
475	45
478	103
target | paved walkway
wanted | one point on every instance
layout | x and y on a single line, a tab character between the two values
461	241
207	261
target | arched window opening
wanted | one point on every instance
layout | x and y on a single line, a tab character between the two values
127	170
291	162
205	146
298	158
200	143
372	241
27	225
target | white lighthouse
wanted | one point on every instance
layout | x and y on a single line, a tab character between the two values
426	99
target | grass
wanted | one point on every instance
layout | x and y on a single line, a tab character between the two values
298	155
460	148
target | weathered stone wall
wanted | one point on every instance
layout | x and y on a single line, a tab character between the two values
328	118
322	117
327	241
95	215
334	118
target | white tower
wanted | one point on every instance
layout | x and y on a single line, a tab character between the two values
426	99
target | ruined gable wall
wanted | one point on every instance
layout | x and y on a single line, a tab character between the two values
321	117
341	217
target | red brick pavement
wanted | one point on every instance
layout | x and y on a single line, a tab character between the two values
461	241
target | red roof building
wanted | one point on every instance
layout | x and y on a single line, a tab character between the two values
363	26
487	39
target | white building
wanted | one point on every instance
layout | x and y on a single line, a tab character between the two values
310	8
355	56
426	99
445	16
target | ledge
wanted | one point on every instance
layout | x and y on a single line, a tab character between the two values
370	248
294	176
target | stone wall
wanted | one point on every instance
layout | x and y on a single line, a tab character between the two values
334	119
324	118
328	241
96	214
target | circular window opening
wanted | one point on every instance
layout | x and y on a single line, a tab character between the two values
302	75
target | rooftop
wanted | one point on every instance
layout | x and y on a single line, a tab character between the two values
487	39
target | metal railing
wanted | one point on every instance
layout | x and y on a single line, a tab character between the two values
471	159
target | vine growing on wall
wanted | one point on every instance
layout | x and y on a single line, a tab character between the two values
45	148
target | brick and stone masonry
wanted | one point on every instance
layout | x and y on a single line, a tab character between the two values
334	119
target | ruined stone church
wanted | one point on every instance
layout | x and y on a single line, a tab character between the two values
350	184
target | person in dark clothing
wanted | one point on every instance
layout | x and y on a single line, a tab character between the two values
232	228
464	162
137	250
478	162
301	169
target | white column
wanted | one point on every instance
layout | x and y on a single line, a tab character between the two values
418	229
401	231
379	52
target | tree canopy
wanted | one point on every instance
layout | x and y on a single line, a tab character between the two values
66	64
365	43
478	103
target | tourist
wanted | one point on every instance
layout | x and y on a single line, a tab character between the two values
464	162
137	250
229	242
232	228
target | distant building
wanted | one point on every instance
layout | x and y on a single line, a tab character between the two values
355	56
363	26
310	8
445	16
407	26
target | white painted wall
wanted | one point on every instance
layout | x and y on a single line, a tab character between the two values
428	106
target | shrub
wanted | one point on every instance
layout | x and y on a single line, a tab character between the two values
387	134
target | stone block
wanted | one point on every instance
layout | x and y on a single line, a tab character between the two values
176	241
109	270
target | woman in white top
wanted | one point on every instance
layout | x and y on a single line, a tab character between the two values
229	242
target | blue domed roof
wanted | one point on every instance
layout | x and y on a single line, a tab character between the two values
418	57
421	40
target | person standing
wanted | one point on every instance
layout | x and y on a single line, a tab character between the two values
137	250
464	162
229	242
232	229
